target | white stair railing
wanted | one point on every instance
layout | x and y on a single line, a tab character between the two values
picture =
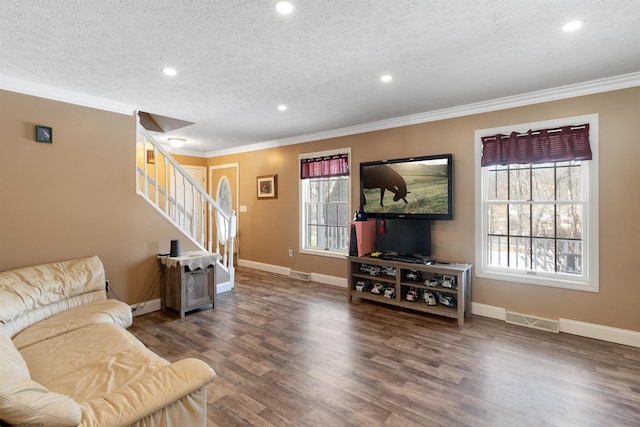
170	189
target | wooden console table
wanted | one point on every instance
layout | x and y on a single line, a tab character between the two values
187	282
401	277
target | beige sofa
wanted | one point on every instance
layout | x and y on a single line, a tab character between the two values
66	358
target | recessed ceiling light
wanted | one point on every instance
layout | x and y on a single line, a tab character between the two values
572	26
177	142
282	107
169	71
284	7
386	78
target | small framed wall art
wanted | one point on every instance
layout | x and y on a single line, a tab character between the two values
44	134
268	187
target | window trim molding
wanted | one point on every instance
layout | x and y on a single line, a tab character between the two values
301	225
591	229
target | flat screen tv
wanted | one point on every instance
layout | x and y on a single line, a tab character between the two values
414	187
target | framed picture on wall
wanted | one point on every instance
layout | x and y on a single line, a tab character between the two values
267	187
44	134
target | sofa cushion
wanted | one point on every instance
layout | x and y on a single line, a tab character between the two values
10	358
25	402
91	361
28	288
109	311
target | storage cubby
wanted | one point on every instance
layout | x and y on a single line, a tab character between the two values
405	285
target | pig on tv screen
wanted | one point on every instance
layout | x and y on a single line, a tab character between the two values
415	187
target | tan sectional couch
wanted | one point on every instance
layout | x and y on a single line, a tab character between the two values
67	360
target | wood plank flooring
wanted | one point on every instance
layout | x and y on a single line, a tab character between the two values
293	353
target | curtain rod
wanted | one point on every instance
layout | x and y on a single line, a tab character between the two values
537	132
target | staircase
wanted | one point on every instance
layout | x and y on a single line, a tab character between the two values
168	187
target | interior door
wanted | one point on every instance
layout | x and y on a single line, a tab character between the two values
217	177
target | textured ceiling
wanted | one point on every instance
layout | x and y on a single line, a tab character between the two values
237	60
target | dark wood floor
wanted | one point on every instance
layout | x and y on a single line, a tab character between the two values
293	353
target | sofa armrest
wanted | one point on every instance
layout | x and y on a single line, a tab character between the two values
148	394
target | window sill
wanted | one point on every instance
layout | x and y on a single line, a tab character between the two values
329	254
523	278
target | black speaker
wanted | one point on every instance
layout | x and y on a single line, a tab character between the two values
175	248
353	242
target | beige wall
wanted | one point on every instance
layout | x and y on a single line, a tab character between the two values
270	227
49	213
77	196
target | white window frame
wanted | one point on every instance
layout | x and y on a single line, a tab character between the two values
302	220
589	279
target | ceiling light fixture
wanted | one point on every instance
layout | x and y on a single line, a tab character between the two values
572	26
169	71
282	107
177	142
386	78
284	7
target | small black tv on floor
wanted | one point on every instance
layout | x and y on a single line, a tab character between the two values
404	236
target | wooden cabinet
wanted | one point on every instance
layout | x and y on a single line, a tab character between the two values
187	283
404	284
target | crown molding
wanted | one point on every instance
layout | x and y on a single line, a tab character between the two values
562	92
554	94
49	92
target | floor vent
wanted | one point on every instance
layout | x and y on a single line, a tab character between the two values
300	275
534	322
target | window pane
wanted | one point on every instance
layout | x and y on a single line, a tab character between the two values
332	214
322	214
332	237
344	189
543	220
497	219
343	237
569	257
570	221
312	214
543	184
313	190
334	191
519	220
569	183
544	257
519	183
343	215
497	183
519	252
324	191
497	251
312	235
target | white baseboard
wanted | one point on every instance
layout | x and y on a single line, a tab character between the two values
490	311
223	287
316	277
600	332
145	307
329	280
264	267
568	326
154	305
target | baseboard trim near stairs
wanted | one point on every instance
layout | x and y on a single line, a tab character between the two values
145	307
154	305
